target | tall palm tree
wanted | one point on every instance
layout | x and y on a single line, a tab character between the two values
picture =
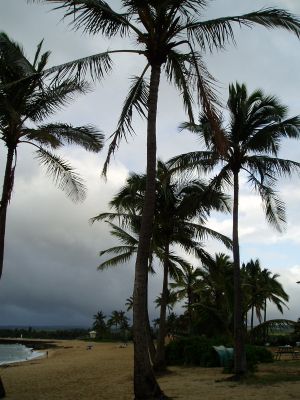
176	205
172	37
26	99
262	285
272	291
185	286
118	319
251	273
256	126
216	293
99	324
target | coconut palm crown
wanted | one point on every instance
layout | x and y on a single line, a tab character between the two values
257	124
26	100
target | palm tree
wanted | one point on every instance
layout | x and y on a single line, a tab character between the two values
171	300
216	294
176	204
99	324
25	101
171	36
262	286
251	273
272	291
256	126
118	319
185	286
129	303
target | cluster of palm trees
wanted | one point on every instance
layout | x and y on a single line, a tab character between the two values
117	320
209	295
172	37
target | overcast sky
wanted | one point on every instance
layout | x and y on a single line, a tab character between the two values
51	255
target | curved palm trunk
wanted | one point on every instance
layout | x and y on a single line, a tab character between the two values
145	384
5	198
189	309
160	359
240	366
252	317
265	320
151	347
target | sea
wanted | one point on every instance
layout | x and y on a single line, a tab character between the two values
11	353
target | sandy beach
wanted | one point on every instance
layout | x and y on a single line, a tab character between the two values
71	372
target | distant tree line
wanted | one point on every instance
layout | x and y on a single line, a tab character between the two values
34	333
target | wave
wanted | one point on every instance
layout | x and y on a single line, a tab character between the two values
12	353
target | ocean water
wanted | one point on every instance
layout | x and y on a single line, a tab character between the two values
10	353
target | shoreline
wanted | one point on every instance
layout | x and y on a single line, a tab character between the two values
36	355
36	344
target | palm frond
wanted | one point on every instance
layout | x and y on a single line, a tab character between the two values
268	137
117	250
203	232
41	137
97	65
87	137
122	235
114	261
178	73
270	167
95	16
137	99
62	174
274	208
43	103
200	161
222	179
126	220
207	96
218	32
14	56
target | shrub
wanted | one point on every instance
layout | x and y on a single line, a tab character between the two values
192	351
199	351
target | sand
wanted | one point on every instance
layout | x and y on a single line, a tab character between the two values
71	372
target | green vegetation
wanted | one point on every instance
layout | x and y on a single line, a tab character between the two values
199	351
282	371
42	333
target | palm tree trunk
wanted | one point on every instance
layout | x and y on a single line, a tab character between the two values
5	198
2	390
252	317
240	366
151	347
189	310
160	359
145	384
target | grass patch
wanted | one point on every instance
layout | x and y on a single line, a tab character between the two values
270	379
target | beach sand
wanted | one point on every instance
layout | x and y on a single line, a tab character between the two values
71	372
